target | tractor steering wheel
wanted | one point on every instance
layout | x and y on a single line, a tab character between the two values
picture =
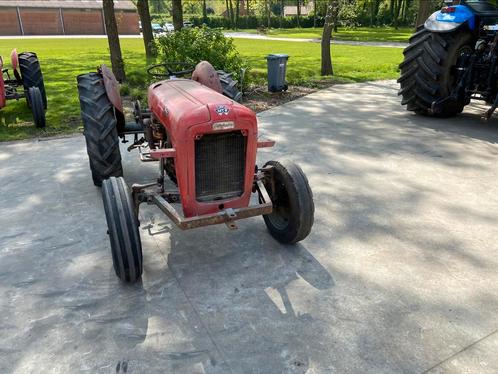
170	69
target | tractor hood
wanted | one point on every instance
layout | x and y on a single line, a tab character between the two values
182	103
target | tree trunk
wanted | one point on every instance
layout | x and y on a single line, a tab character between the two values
298	12
247	14
177	11
424	11
267	8
113	39
143	11
332	9
232	18
281	13
204	11
228	13
372	8
237	13
335	14
314	13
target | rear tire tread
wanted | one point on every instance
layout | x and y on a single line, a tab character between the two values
31	74
425	71
99	122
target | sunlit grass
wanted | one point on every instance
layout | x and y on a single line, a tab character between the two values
366	34
63	59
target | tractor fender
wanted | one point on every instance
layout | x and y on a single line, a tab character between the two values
14	59
451	18
206	75
111	86
2	85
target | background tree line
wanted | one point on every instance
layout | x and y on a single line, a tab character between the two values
328	14
308	13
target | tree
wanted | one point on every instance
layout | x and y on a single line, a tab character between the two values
177	11
281	13
232	16
424	11
298	12
113	39
204	11
267	12
229	13
314	13
143	12
237	13
330	16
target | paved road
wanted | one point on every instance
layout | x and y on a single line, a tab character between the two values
398	276
246	35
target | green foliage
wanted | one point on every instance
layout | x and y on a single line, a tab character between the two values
363	34
252	22
201	43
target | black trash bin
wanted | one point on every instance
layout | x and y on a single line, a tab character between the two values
277	65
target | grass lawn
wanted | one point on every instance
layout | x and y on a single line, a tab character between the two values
63	59
366	34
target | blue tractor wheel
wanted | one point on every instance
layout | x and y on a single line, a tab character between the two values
428	70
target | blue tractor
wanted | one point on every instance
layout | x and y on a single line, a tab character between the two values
452	59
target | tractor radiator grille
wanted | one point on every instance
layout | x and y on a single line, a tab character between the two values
220	166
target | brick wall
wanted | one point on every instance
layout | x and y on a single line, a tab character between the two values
41	21
81	22
127	22
9	24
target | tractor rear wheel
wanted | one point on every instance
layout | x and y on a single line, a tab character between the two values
428	70
99	123
31	74
293	208
35	102
123	231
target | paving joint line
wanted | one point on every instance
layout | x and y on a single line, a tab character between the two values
460	351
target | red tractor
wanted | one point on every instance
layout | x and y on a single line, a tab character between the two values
30	78
205	143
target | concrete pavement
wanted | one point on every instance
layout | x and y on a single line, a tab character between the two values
399	274
247	35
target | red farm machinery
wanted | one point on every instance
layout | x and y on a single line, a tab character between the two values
24	81
205	143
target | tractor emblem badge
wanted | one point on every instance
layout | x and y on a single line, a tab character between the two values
222	110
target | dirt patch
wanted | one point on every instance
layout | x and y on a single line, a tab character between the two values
259	99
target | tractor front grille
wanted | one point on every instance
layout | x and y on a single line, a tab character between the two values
220	166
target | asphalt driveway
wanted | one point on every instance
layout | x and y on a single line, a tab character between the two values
399	275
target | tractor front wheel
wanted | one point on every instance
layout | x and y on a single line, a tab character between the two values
35	102
99	123
428	71
293	208
31	74
123	232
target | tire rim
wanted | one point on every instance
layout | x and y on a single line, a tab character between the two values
466	49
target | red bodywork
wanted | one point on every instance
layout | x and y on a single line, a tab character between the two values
111	87
188	110
2	85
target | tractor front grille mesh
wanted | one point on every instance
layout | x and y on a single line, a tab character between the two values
220	166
